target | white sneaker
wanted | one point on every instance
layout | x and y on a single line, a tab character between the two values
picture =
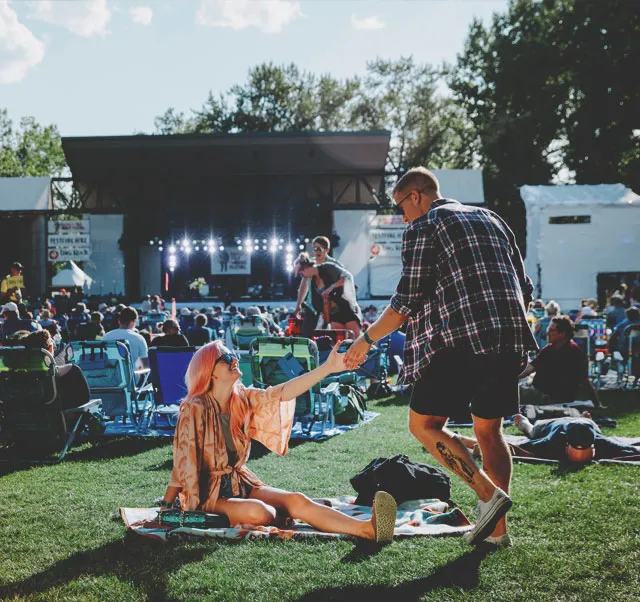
503	541
488	516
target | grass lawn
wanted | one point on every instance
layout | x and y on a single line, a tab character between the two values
577	532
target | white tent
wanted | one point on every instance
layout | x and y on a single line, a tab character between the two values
25	194
71	276
575	233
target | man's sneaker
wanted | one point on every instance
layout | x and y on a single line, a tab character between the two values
503	541
488	516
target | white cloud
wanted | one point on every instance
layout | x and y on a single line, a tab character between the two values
268	15
82	17
141	14
19	48
373	22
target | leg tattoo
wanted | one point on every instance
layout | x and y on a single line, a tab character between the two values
455	463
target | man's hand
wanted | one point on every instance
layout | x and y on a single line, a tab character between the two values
357	353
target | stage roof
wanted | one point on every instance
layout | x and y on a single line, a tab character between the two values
261	153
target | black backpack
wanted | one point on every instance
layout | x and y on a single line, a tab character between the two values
402	478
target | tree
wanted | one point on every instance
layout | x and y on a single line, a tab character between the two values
551	87
30	150
427	129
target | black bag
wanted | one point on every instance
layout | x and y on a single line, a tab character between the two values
402	478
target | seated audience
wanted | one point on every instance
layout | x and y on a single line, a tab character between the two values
219	418
126	332
171	337
619	340
552	309
71	385
561	366
199	334
615	311
90	331
12	321
573	439
47	322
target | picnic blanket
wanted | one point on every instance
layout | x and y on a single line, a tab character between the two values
520	439
426	518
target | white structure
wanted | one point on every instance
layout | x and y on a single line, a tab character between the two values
370	244
575	233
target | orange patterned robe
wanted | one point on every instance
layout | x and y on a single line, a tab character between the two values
199	449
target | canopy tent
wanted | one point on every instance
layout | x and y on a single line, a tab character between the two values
576	233
70	276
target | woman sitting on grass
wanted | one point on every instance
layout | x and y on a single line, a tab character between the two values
218	419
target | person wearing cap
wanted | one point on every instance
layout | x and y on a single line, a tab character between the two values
267	320
573	439
561	367
12	321
12	285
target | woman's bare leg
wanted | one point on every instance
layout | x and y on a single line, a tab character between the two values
299	506
246	512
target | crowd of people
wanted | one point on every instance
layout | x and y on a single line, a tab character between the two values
473	333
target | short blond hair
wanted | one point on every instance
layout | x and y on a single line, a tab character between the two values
417	177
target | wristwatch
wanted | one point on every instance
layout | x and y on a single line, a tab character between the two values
367	338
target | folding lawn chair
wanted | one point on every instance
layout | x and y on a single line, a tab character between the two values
631	334
109	371
275	360
585	337
246	329
168	368
31	415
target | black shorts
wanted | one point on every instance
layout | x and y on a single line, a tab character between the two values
344	316
456	380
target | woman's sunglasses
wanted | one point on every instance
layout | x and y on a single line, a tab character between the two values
227	358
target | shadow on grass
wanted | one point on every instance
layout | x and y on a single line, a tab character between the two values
462	573
147	566
99	449
396	400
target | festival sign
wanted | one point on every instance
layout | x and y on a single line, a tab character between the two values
69	253
69	241
72	226
230	262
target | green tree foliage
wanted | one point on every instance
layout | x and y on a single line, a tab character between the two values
551	89
30	149
400	96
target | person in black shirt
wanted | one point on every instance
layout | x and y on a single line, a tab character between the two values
561	366
198	334
172	336
90	331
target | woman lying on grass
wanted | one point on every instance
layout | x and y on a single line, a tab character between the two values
218	419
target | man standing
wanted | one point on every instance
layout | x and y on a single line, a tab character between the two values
12	285
464	294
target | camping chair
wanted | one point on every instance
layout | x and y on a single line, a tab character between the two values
168	368
275	360
109	371
631	334
245	329
31	413
585	337
152	319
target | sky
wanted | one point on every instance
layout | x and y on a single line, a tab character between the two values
108	67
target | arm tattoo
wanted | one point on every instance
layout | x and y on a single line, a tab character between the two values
455	463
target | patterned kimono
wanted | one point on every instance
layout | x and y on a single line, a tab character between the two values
199	449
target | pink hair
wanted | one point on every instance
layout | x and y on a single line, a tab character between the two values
198	376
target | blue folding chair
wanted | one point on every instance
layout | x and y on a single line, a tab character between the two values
33	419
168	369
109	371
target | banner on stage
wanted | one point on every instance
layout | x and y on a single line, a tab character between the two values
230	262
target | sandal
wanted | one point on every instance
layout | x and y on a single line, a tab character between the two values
384	516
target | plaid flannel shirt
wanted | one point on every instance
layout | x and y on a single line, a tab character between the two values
463	285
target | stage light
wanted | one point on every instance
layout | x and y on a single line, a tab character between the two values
249	249
264	247
248	242
187	250
274	242
185	242
273	249
150	242
264	240
281	240
211	242
257	241
197	248
212	250
306	240
160	248
193	242
172	249
159	242
280	247
289	248
239	247
289	257
289	268
172	269
221	247
301	247
205	248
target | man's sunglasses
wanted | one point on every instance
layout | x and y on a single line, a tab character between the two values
227	358
318	249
